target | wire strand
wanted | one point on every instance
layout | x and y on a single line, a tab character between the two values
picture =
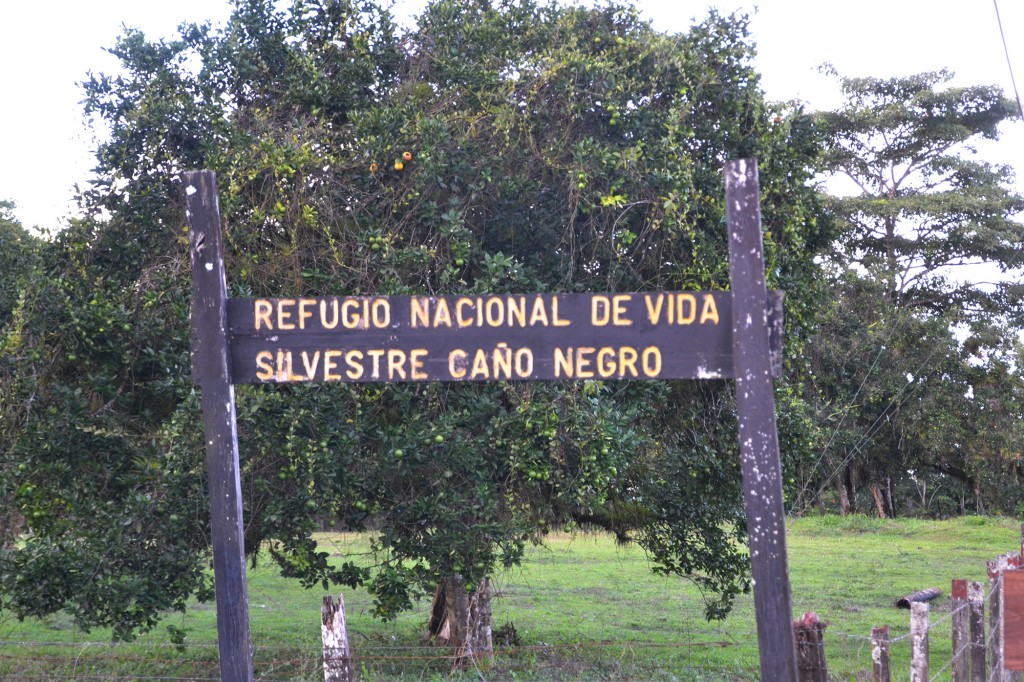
1009	64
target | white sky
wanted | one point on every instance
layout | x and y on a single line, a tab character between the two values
47	47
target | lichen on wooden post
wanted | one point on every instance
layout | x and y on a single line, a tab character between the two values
880	670
919	641
334	632
976	602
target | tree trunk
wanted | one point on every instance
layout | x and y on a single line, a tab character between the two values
844	497
879	504
981	503
462	621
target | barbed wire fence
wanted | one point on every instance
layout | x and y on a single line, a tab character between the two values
698	651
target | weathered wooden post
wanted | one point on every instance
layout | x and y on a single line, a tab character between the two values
995	615
960	616
334	632
976	601
880	669
919	641
759	440
810	648
1013	625
211	372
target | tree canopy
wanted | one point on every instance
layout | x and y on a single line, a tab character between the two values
926	311
505	147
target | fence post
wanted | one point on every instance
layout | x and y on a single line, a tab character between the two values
1012	588
976	601
961	644
919	641
810	649
334	631
880	655
995	614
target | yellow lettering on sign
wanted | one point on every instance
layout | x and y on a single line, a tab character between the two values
396	364
539	315
381	310
419	312
332	322
606	362
680	309
619	318
284	313
354	360
263	309
555	320
416	359
502	357
710	311
331	364
627	361
442	316
654	305
457	363
604	310
479	365
563	363
265	365
305	314
461	318
583	361
685	307
517	311
310	364
375	355
599	311
495	308
524	363
292	376
350	318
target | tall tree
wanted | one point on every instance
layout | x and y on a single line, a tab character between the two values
517	148
929	249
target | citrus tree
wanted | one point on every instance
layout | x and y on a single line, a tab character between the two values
517	147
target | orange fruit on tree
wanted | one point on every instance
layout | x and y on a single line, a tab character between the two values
374	168
407	156
399	165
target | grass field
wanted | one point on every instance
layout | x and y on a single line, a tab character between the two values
583	609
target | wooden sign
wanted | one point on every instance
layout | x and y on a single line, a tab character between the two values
507	337
1013	620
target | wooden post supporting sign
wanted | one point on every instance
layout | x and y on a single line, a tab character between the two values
759	440
211	371
525	337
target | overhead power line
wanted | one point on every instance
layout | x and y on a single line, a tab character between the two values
1009	65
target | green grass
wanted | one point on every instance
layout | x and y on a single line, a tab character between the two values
584	608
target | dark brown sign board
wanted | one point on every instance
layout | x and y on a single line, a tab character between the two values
1013	620
506	337
519	337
